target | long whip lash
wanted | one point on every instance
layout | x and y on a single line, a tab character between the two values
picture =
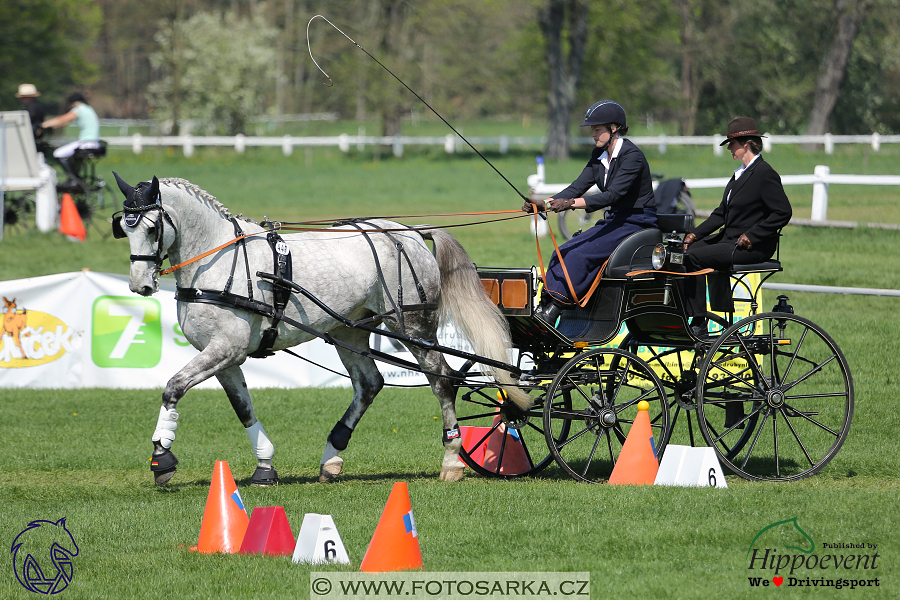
331	82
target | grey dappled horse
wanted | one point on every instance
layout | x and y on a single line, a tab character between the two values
177	218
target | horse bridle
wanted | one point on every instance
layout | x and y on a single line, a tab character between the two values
128	214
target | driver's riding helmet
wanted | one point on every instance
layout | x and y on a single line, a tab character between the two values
604	113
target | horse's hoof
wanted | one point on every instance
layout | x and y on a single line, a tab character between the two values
163	477
452	473
163	467
264	477
331	469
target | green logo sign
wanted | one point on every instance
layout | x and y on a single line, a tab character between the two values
127	332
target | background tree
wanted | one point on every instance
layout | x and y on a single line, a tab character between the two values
564	24
46	42
848	14
218	68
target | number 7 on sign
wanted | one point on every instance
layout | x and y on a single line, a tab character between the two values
132	329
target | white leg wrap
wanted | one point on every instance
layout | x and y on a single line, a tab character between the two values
165	427
261	445
330	452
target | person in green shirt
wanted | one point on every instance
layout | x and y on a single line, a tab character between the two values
88	125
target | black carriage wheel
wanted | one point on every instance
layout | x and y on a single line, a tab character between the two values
603	387
677	369
499	438
788	385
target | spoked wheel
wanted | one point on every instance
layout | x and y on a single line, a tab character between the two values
677	369
601	389
786	386
499	438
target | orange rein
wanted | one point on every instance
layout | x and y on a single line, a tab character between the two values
580	302
174	268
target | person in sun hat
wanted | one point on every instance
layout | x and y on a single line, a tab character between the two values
744	228
620	171
88	130
28	95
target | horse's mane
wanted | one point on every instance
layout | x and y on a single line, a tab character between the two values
203	195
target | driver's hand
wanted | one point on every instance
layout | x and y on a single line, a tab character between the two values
527	207
560	204
744	242
688	240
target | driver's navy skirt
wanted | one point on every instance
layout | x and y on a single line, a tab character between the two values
585	254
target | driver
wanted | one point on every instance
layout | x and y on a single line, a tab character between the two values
620	170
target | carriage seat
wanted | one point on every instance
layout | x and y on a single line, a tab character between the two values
769	266
635	250
633	253
678	223
88	153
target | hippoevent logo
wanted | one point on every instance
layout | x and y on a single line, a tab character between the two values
783	553
42	556
30	338
127	332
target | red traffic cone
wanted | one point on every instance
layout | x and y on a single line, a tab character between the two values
515	460
637	463
225	519
395	545
268	533
70	223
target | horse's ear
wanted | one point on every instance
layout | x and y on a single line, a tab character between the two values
126	189
154	189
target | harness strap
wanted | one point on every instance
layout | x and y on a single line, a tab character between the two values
281	292
396	311
261	308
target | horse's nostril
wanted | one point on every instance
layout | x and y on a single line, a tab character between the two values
146	291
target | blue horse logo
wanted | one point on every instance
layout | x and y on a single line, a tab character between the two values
54	545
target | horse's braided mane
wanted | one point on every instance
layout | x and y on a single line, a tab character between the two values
203	195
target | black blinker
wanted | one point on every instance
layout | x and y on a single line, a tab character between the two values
117	230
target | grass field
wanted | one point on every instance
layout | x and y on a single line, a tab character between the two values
83	454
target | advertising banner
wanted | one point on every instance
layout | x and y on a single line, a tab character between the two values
86	329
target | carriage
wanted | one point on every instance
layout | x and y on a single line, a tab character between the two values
771	392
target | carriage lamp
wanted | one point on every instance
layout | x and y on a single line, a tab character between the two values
669	252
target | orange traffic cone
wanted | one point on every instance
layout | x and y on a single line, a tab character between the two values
395	545
70	223
637	463
225	519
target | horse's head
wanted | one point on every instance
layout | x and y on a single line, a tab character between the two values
150	232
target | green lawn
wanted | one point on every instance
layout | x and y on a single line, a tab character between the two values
83	454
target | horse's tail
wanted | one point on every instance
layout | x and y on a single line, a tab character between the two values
464	301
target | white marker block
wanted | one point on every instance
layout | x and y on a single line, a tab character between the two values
686	466
319	541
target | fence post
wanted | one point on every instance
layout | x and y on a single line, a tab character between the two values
344	142
398	145
504	144
188	145
136	145
662	147
449	144
360	138
767	143
717	149
239	143
829	144
287	148
820	194
876	142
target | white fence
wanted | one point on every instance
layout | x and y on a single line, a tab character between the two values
820	180
451	142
